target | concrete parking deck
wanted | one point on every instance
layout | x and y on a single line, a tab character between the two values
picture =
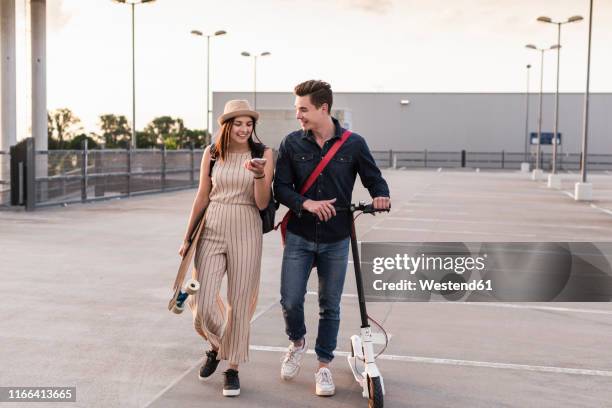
85	289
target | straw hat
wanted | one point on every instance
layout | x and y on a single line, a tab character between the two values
237	108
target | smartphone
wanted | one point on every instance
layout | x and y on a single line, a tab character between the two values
258	161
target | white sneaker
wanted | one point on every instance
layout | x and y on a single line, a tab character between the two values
293	361
324	382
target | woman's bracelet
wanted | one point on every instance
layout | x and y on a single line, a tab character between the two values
259	177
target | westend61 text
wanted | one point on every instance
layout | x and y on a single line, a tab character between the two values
431	285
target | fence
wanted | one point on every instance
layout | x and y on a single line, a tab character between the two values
485	160
53	177
72	176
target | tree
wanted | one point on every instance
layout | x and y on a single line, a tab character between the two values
62	125
199	137
77	142
115	130
146	140
173	134
164	127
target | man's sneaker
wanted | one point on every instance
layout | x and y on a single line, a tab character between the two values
209	366
231	385
324	383
293	360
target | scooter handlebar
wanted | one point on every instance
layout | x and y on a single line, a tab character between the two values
367	208
363	207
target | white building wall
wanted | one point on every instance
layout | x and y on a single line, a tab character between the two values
446	121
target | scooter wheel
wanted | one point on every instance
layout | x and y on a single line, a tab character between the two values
376	393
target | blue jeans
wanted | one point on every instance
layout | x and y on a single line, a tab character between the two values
298	259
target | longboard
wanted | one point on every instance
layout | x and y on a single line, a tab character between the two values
177	302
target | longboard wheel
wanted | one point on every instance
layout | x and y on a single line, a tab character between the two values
178	309
192	286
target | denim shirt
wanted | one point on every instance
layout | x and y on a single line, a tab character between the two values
298	155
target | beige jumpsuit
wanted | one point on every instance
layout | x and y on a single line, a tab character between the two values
230	243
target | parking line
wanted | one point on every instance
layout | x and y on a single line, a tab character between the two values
201	361
453	232
529	307
596	207
466	363
443	220
348	295
605	210
567	193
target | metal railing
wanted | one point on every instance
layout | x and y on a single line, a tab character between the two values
76	176
484	160
73	176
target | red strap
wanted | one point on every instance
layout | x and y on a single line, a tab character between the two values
312	178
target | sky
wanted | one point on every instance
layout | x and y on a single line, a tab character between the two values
356	45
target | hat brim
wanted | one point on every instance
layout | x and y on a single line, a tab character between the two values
231	115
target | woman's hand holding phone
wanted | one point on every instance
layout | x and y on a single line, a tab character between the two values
256	166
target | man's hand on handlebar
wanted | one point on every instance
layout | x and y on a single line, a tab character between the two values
381	203
323	209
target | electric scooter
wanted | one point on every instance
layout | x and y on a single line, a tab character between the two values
362	360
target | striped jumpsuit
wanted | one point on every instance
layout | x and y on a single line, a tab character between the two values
230	243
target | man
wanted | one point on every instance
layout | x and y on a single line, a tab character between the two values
316	233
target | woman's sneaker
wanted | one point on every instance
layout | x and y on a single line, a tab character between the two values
293	360
231	385
324	383
209	366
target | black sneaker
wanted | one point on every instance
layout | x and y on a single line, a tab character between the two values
209	366
231	385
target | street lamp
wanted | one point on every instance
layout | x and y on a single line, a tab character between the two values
247	54
200	34
583	191
525	164
537	172
555	181
133	4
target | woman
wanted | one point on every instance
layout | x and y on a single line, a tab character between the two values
230	199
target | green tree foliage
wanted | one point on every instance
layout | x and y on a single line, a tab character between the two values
77	142
62	126
115	131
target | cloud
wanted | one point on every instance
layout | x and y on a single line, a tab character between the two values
57	15
370	6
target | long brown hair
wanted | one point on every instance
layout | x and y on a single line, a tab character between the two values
221	145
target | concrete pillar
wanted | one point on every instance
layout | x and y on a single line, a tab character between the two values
554	181
8	89
537	174
583	191
39	73
38	24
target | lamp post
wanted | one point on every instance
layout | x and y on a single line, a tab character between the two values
555	181
537	172
133	3
215	34
583	191
248	54
525	164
